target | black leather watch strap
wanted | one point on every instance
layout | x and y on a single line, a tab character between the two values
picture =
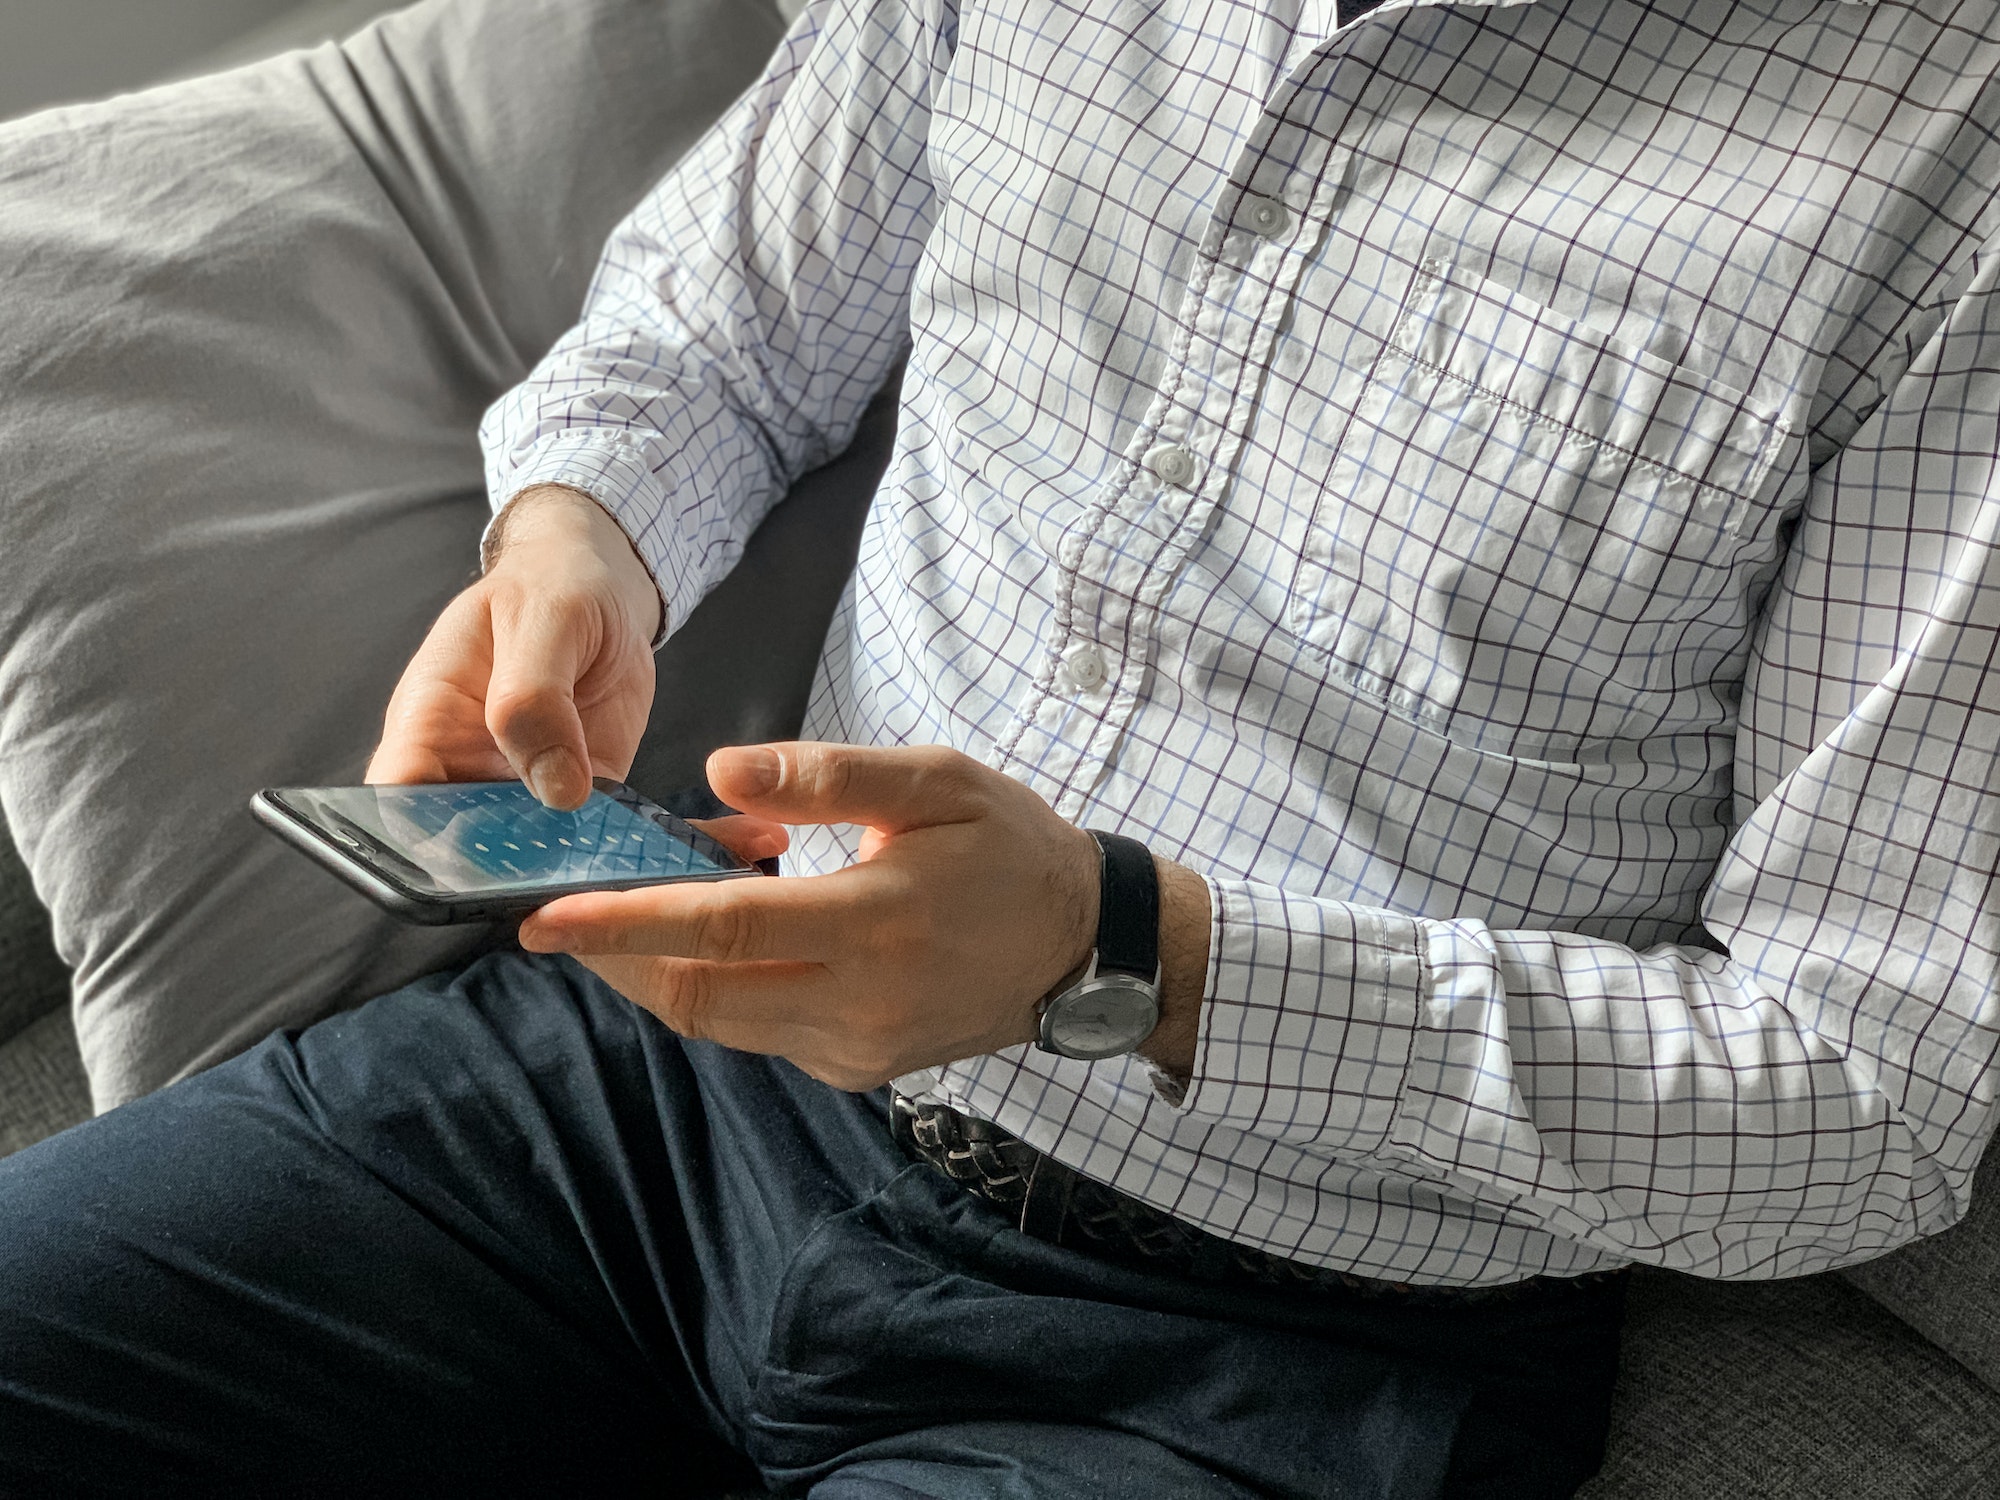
1128	908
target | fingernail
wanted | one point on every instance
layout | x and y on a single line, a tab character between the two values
757	769
547	774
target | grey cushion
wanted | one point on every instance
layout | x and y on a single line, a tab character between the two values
1789	1390
251	323
304	23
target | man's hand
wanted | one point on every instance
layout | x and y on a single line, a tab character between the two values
970	901
542	670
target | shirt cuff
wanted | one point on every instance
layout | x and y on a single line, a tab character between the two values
613	469
1310	1018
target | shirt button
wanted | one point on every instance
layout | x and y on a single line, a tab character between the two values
1266	216
1171	465
1085	665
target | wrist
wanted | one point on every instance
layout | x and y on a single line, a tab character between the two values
1138	984
1184	939
553	516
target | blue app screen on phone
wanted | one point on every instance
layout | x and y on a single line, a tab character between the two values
481	837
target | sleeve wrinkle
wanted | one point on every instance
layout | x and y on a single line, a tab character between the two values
743	316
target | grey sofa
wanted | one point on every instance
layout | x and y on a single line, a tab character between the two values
1884	1381
42	1086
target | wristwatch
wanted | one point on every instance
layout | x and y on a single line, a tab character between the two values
1115	1005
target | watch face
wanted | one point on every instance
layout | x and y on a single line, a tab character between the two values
1106	1016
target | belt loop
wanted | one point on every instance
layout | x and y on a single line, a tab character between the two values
1212	1258
1045	1206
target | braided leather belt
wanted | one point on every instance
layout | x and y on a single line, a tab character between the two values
1055	1203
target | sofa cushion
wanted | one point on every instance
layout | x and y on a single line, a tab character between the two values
1948	1287
1789	1390
42	1087
33	981
252	321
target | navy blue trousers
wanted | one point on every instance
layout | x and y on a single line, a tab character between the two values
501	1232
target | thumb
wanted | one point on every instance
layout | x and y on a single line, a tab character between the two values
539	653
891	788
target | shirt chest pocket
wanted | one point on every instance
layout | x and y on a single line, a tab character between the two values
1532	533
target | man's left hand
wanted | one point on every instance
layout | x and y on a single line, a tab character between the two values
970	901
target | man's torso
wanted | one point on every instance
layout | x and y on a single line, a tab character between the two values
1497	344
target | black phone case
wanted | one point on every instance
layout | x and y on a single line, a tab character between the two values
268	808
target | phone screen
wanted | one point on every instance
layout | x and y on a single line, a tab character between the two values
493	838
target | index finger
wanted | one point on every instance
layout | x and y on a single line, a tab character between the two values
807	919
540	648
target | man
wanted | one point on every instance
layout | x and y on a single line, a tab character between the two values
1498	502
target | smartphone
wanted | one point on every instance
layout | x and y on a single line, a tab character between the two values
486	850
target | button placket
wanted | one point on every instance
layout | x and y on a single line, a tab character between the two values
1242	347
1194	425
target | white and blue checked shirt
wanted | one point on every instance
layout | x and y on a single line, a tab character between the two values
1510	492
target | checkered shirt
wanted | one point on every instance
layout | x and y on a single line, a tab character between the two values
1508	492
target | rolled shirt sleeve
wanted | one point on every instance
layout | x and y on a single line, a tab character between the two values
748	309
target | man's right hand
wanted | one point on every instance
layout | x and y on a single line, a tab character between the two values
543	669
